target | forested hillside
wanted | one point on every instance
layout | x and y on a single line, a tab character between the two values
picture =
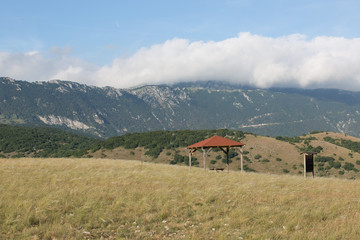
155	142
18	141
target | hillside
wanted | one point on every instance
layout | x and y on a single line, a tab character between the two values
16	141
101	198
338	154
106	112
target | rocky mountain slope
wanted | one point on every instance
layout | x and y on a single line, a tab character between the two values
105	112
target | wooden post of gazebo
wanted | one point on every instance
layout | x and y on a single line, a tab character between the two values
190	153
226	151
227	158
205	152
204	157
241	159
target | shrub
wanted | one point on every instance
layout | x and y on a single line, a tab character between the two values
224	160
178	159
285	170
194	161
337	165
309	148
213	161
154	152
232	153
18	155
349	166
324	159
130	144
247	169
278	159
291	140
315	132
258	156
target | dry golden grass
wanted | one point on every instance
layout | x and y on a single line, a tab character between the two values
270	148
116	199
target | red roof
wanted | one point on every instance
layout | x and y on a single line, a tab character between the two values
216	141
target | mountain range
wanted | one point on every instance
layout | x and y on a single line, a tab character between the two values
107	111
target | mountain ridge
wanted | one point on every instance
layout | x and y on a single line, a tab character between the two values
108	111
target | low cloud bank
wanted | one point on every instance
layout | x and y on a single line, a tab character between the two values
289	61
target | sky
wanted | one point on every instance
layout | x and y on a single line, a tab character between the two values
129	43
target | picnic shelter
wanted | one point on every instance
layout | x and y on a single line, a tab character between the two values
216	142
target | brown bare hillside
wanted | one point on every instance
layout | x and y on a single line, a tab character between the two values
264	154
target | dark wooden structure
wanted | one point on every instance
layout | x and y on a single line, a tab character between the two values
216	142
309	158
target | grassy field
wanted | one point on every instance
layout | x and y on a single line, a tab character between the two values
117	199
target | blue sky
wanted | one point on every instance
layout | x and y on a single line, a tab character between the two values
119	41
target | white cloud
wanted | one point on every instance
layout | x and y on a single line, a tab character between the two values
289	61
34	66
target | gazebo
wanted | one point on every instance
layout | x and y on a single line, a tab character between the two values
216	142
